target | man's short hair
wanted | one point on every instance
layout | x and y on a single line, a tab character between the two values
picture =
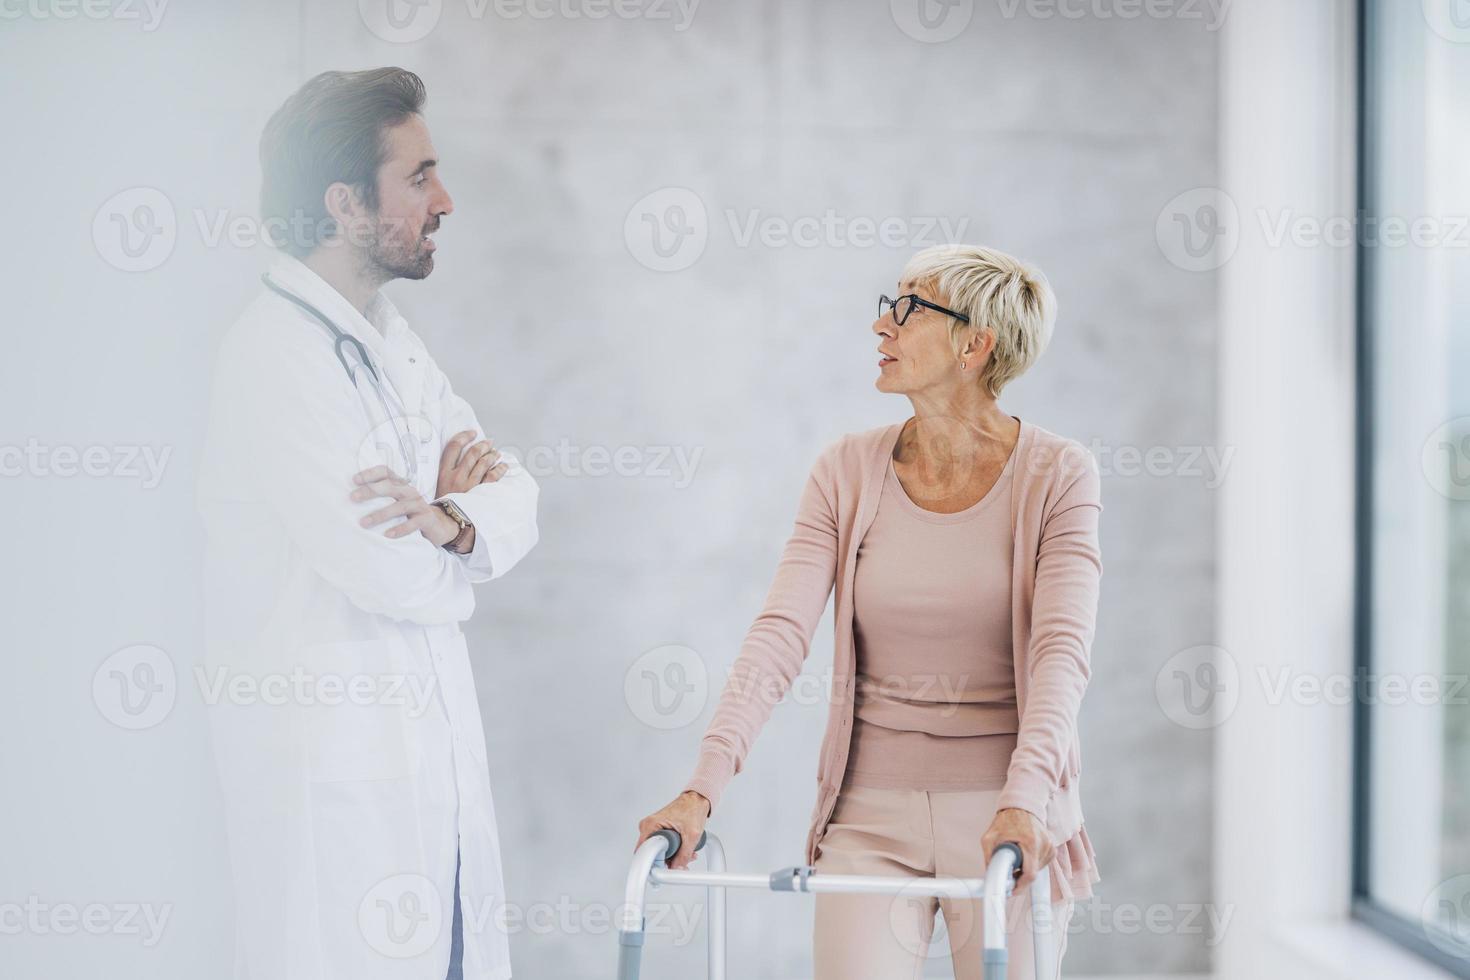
332	129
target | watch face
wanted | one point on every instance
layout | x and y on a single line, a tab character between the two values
452	509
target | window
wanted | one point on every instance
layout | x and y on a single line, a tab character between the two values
1411	875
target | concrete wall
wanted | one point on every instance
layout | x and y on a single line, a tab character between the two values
1063	139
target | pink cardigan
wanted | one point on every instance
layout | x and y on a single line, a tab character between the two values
1055	503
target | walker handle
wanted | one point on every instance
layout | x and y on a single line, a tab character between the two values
1014	848
674	841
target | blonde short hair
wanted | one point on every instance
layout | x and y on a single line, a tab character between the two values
999	293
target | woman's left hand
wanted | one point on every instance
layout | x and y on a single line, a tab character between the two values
1020	827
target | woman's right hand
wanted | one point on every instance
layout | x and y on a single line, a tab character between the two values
687	814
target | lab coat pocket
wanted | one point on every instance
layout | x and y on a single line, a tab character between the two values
354	727
460	689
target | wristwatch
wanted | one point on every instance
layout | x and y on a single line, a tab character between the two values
458	516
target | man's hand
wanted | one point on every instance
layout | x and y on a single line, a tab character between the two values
379	481
1020	827
462	466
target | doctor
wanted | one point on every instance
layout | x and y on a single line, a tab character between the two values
351	501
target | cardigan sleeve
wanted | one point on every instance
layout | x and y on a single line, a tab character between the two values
1063	617
778	641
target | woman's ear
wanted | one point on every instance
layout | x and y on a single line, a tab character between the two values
978	347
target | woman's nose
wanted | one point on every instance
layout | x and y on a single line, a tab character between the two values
883	327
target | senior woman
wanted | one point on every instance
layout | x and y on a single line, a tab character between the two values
963	546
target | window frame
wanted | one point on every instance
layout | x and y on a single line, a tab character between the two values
1363	907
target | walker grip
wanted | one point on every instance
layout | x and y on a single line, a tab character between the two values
674	841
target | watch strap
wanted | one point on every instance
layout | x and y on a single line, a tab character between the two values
458	516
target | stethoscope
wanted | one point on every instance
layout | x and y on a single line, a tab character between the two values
342	342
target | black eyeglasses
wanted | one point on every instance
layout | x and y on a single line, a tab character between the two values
904	305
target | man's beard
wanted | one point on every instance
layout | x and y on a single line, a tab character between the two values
389	258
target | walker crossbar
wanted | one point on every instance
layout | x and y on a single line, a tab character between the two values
650	866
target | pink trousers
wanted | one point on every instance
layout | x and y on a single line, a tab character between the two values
914	833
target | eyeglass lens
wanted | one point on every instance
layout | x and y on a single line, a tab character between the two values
900	308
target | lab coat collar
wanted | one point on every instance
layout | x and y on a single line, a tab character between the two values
383	321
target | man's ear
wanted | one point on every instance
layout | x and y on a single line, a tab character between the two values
347	209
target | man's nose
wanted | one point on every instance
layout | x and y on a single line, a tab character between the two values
445	204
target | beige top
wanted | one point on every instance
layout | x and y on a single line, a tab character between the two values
935	692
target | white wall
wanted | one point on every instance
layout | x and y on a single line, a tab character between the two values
1060	138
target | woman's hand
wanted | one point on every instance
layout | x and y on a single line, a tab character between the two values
1020	827
462	469
687	814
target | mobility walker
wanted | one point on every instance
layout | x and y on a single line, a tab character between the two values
650	865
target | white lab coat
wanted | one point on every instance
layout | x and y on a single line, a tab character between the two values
346	805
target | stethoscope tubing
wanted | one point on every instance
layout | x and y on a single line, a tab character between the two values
339	339
339	336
